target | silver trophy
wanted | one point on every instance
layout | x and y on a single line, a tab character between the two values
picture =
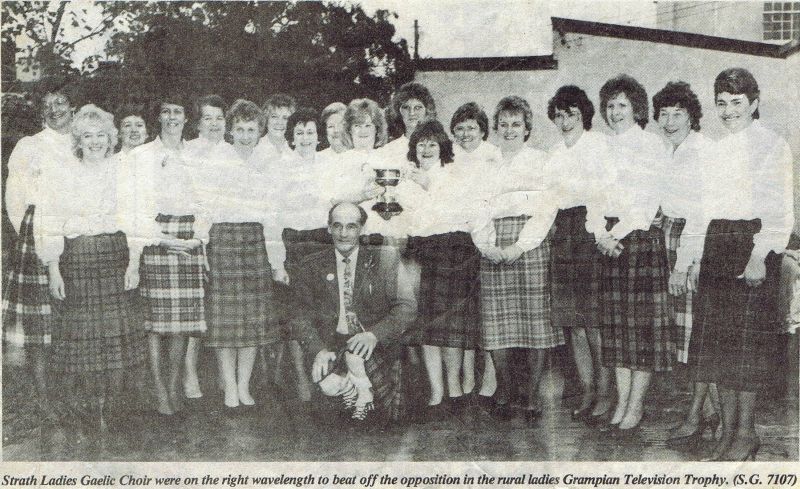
387	205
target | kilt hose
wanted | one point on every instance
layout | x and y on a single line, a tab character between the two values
172	285
27	313
449	296
738	334
575	272
239	295
680	307
97	328
515	299
637	331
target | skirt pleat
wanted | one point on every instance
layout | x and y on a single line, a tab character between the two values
637	332
97	326
449	297
27	312
238	302
515	299
737	339
171	284
680	307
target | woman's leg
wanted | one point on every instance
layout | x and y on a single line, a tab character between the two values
39	355
582	354
501	359
468	372
535	360
729	408
432	356
246	358
624	378
226	362
162	396
691	422
177	350
453	359
640	381
191	382
303	384
489	378
746	439
602	374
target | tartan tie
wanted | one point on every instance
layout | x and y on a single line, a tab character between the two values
353	325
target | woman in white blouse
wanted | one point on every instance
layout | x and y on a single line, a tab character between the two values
332	119
677	111
637	337
449	307
515	270
132	127
470	128
737	336
90	267
208	113
235	188
582	169
27	312
168	233
411	105
277	110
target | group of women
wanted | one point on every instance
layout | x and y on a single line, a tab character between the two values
640	250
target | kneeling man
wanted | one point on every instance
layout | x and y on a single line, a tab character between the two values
355	308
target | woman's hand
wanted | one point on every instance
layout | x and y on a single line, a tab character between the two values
180	246
131	278
419	177
511	253
280	275
56	282
677	283
371	190
607	245
693	280
755	272
494	255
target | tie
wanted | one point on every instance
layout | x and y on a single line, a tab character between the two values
353	326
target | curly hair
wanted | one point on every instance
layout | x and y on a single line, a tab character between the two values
244	111
303	116
737	81
128	110
431	130
568	97
91	115
515	105
359	109
679	94
633	90
473	111
278	100
403	94
211	100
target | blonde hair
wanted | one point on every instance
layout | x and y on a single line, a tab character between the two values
359	108
91	114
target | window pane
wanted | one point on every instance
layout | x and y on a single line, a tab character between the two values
767	6
796	5
787	16
787	5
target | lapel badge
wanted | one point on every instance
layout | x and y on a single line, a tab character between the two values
330	277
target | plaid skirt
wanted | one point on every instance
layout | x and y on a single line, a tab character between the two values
96	328
637	332
515	299
172	285
575	272
680	308
449	294
27	313
737	337
239	297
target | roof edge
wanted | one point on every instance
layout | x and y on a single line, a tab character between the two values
496	63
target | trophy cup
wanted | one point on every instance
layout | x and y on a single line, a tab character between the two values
387	205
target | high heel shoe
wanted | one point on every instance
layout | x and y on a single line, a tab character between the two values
582	414
598	419
749	453
710	423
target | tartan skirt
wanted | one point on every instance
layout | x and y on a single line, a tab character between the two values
515	299
97	328
449	294
239	296
575	272
27	313
637	331
172	285
737	337
680	308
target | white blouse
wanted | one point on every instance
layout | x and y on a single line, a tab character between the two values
485	152
750	176
640	173
395	150
26	167
584	175
202	148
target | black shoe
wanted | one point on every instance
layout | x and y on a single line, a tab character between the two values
532	417
434	413
457	405
486	403
582	414
609	428
598	419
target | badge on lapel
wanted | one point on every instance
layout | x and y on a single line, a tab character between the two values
329	277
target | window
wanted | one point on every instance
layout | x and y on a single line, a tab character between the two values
781	21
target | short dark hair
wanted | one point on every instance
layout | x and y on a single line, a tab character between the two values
303	115
679	94
246	111
211	100
130	109
431	130
737	81
404	94
278	100
473	111
515	105
633	90
362	214
570	96
66	85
